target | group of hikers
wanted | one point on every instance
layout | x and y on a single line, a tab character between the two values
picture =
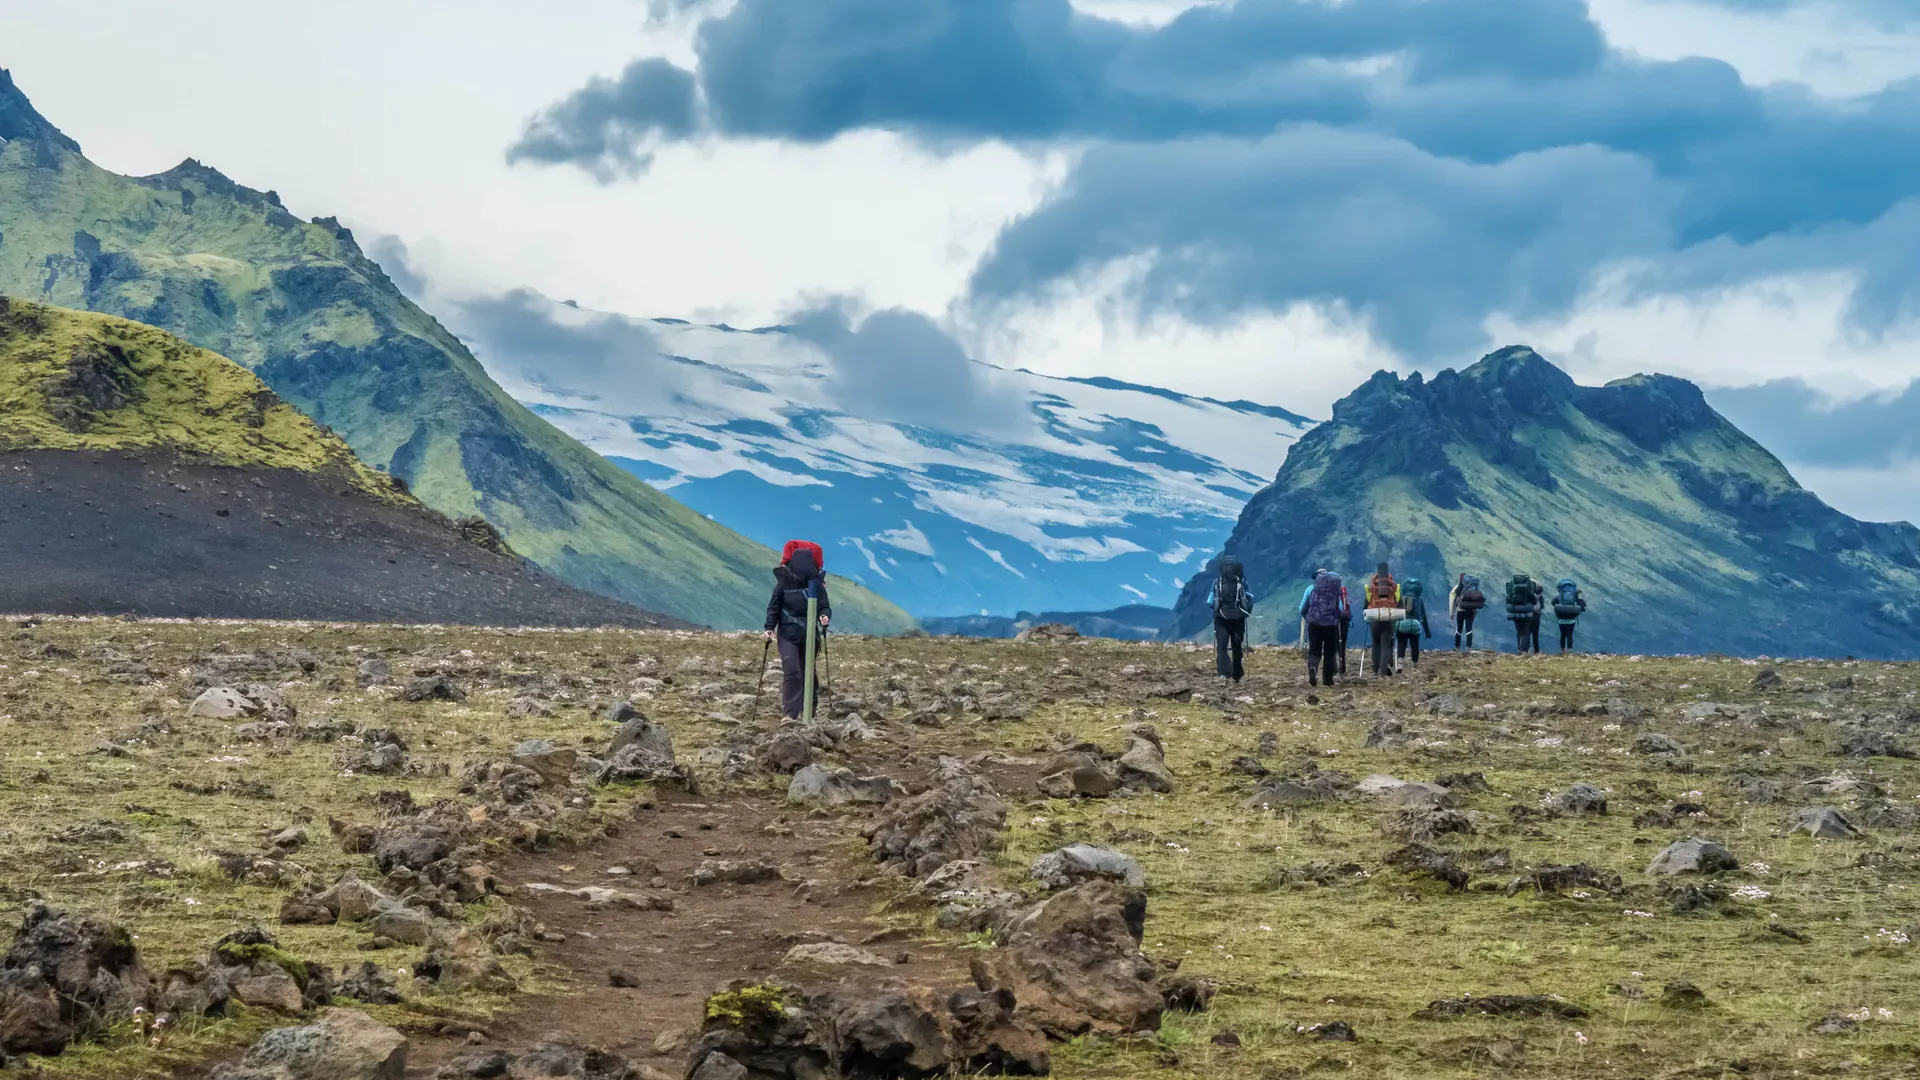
1395	614
799	612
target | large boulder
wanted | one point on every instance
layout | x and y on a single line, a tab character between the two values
1066	867
855	1029
961	818
66	976
345	1044
815	785
553	764
222	703
1073	964
641	750
1145	762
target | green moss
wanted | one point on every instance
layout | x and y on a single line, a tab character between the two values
748	1006
249	955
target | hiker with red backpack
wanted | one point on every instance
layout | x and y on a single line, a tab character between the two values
1383	614
800	577
1321	608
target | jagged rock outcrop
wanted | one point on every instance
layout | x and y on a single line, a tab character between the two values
1638	490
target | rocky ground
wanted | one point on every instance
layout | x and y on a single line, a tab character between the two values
275	850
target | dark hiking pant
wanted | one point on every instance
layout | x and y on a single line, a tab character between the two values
1382	647
793	676
1229	641
1323	648
1523	637
1566	636
1533	629
1346	629
1409	641
1463	626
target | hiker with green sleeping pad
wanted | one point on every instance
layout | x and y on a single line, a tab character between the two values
1523	608
1408	630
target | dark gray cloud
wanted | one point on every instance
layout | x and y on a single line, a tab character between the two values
1803	425
1200	130
608	124
899	365
1424	245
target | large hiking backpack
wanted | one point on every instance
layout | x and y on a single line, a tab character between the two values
1521	601
1382	603
1324	604
1567	604
1230	592
1381	591
1471	598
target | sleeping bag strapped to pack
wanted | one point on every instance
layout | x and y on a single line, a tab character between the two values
1230	591
1471	598
800	571
1521	601
1323	604
1566	606
1383	599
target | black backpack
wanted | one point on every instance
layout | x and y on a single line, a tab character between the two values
1230	592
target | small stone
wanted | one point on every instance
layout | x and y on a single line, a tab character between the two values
1693	856
1823	823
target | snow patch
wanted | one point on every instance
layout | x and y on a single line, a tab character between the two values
906	538
996	557
873	564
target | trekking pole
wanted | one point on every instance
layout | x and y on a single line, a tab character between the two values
826	662
813	632
760	682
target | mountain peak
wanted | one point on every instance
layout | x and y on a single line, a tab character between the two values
20	120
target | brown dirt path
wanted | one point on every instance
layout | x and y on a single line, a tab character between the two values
715	934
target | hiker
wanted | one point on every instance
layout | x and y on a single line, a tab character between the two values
1523	608
1383	611
1320	611
1407	631
1232	604
798	577
1568	605
1463	606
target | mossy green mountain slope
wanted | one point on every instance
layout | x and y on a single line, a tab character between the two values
145	475
75	380
231	270
1686	535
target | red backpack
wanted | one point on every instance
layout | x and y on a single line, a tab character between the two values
1381	591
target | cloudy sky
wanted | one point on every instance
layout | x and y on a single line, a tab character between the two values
1263	199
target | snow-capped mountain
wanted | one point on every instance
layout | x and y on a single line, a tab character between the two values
949	486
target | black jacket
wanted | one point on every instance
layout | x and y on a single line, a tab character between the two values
783	583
